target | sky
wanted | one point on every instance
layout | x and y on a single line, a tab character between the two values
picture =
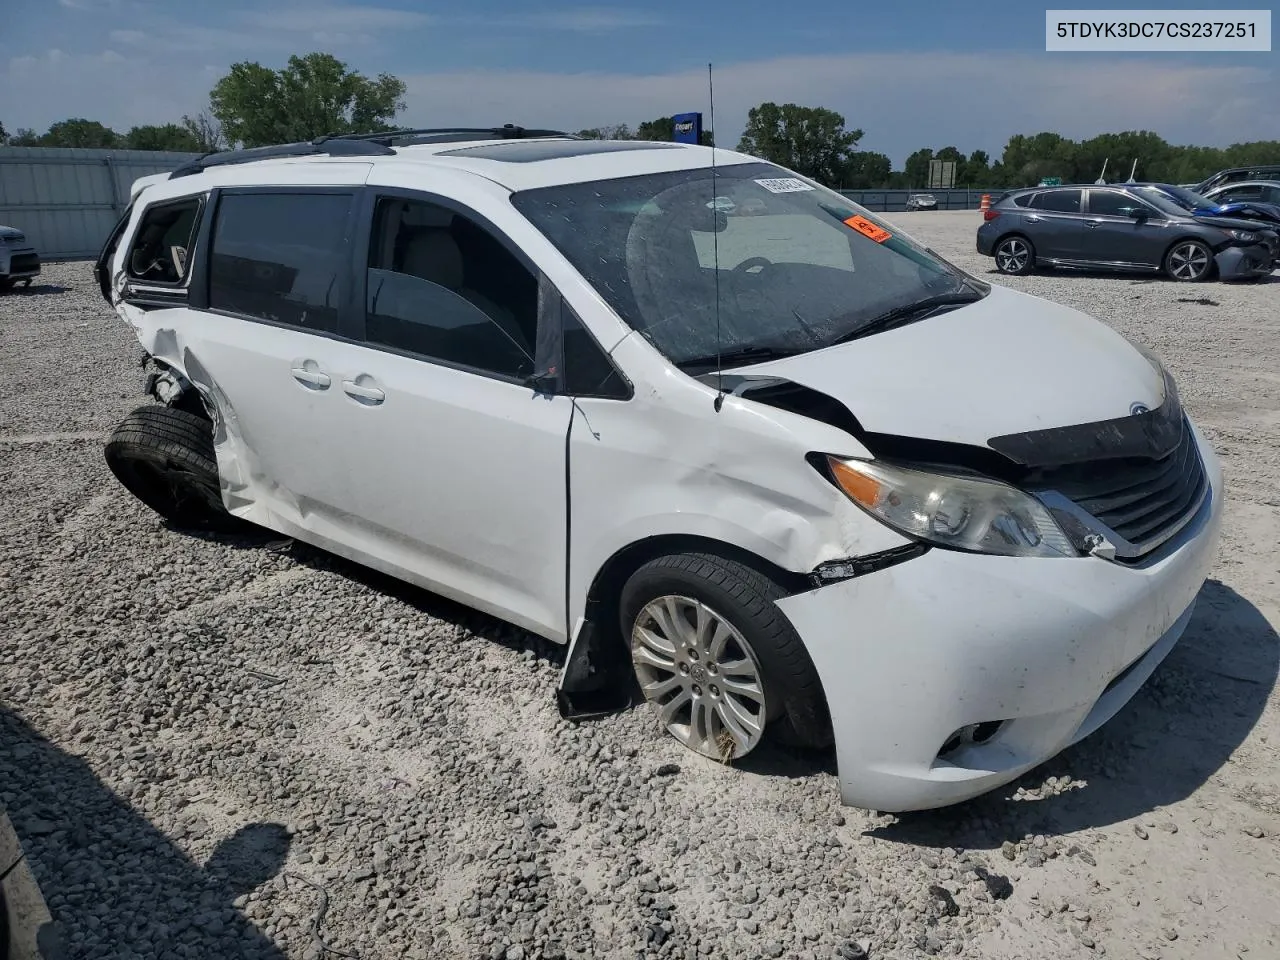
909	74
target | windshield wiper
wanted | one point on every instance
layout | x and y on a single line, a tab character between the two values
739	356
900	316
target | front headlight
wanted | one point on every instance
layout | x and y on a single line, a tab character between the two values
967	513
1243	235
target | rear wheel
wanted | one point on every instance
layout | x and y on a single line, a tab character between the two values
1015	256
717	659
1188	261
165	458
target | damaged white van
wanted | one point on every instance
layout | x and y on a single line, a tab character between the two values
749	451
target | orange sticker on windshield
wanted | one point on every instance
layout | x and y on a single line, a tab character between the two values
868	229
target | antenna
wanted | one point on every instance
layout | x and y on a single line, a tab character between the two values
1133	170
1101	181
715	240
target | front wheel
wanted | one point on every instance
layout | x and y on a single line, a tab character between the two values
717	658
1015	256
1188	261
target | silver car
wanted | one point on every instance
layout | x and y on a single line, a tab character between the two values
922	201
18	258
1122	228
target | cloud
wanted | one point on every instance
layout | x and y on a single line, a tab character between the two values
902	100
933	99
581	20
336	20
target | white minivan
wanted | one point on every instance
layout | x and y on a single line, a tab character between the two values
752	453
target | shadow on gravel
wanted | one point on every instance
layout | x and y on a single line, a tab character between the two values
36	290
1180	728
114	884
464	619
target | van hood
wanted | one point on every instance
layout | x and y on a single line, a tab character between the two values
1009	363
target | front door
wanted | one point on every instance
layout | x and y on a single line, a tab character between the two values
457	464
1113	235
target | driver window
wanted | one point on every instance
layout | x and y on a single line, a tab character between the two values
160	251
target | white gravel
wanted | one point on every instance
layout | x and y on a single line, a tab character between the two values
202	742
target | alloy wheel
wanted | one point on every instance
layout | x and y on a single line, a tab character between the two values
701	674
1012	256
1188	261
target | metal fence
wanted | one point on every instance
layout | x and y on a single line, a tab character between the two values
889	201
66	200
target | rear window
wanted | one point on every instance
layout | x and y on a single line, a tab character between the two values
1062	201
160	249
280	257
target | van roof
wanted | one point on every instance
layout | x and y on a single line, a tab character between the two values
516	164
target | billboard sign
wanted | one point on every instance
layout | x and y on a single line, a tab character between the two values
687	127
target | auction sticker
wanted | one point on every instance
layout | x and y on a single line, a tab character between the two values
868	229
784	185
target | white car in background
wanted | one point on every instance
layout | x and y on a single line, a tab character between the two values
748	450
19	261
922	201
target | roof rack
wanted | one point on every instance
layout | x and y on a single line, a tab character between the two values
508	131
362	145
329	146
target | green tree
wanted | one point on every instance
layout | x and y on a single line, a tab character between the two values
78	132
976	171
618	131
867	171
170	136
24	137
4	134
917	168
205	131
810	140
313	96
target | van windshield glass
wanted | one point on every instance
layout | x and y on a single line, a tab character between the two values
800	267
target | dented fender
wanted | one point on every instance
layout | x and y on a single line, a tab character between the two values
737	476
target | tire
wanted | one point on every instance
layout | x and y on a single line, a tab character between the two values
1015	256
768	655
165	458
1188	261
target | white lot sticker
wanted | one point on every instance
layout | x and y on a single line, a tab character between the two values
784	185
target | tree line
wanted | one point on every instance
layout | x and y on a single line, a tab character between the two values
318	94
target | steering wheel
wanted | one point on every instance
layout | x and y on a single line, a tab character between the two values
747	264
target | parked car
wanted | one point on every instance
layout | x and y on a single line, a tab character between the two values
539	375
1247	192
1121	227
922	201
19	260
1266	171
1200	205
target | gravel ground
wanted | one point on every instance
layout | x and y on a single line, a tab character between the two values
252	749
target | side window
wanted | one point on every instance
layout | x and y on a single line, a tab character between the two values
159	253
1112	203
1061	201
1271	194
1239	194
1022	200
588	372
442	287
280	257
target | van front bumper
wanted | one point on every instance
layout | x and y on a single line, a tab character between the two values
1042	651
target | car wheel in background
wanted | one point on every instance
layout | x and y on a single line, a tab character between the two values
717	658
1188	261
1015	256
165	458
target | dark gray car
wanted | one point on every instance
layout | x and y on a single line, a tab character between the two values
1116	227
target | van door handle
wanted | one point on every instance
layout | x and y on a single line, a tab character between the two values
310	376
363	393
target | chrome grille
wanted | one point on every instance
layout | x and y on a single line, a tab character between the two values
1142	502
